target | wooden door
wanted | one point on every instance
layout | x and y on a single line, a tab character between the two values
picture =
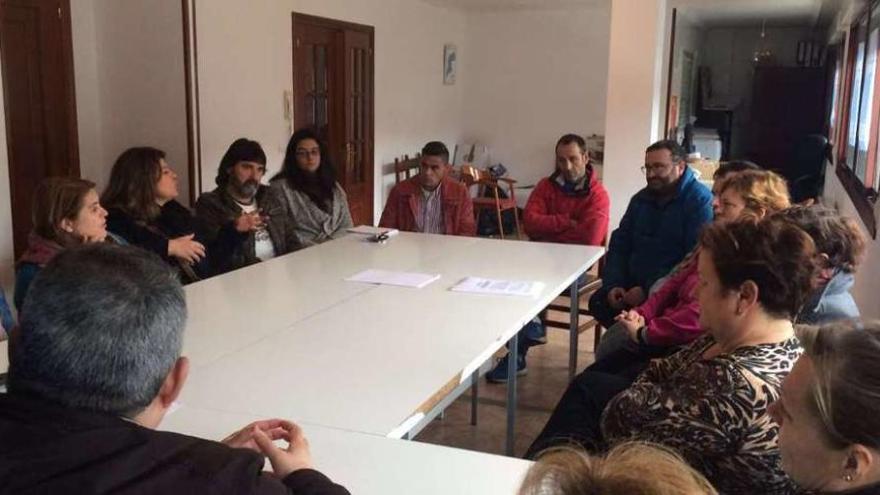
358	93
788	104
315	81
35	45
333	94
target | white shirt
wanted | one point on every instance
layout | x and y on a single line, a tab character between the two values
263	247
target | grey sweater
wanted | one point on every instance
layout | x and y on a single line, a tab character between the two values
308	224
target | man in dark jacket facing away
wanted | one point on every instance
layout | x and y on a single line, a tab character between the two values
242	204
95	366
660	227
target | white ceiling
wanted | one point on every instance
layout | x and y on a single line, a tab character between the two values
490	5
710	13
777	13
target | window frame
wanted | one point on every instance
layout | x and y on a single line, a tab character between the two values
864	197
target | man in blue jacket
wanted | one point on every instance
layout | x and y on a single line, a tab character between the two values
660	227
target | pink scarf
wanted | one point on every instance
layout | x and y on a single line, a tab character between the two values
40	250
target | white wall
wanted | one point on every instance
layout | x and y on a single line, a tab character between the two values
532	76
633	113
7	253
245	65
689	37
129	75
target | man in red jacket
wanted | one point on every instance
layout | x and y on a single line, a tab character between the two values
571	206
431	202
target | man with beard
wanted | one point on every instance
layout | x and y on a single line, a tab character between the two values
660	227
241	204
569	207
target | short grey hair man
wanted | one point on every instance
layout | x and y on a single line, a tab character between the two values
107	345
100	339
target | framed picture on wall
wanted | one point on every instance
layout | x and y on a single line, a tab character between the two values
449	64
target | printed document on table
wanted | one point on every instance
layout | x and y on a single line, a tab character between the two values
403	279
479	285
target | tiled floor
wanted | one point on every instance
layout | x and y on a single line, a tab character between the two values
538	391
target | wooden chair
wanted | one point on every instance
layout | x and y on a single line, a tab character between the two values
586	288
407	167
471	176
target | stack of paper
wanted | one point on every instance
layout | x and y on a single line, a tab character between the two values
479	285
403	279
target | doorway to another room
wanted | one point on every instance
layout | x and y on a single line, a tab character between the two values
40	103
333	93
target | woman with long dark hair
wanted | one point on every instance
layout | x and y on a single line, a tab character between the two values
142	208
316	206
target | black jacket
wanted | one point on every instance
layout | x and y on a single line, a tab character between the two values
176	220
45	448
217	211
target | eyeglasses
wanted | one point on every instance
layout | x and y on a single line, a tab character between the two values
316	152
659	168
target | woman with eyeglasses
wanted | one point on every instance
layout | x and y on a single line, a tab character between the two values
315	206
829	411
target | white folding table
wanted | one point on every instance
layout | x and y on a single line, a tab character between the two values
368	464
291	338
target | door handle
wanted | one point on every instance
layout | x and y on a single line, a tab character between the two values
349	154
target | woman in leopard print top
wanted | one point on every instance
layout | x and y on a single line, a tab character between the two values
710	400
713	411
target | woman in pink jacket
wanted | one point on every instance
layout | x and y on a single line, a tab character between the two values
669	318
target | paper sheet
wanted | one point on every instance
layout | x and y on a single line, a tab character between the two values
479	285
403	279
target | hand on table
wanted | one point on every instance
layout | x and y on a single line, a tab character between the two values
244	438
285	461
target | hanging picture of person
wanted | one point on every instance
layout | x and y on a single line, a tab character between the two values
449	64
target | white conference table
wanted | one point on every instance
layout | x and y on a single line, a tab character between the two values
291	338
367	464
229	312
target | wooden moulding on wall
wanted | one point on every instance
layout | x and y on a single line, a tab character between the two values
863	199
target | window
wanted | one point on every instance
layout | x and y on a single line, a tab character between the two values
835	93
856	117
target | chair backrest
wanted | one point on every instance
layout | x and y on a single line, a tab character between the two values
407	167
810	154
489	186
471	175
806	172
